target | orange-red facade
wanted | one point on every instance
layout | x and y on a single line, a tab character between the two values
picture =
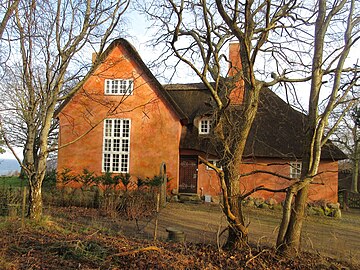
155	133
155	129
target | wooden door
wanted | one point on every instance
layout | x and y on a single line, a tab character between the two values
188	174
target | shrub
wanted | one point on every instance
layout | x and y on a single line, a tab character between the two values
137	204
103	192
50	179
66	177
125	179
87	179
9	196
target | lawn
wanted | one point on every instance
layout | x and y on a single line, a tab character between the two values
12	181
80	238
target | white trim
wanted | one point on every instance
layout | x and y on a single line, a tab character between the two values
295	169
214	162
119	87
116	145
205	125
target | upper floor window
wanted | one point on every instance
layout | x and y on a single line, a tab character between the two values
116	145
295	169
205	126
118	87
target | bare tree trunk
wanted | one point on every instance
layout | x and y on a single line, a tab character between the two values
238	233
35	200
10	10
285	217
289	244
35	183
355	168
292	239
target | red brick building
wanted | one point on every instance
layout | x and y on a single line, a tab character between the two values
124	121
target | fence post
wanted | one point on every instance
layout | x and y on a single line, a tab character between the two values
163	184
23	208
157	215
345	199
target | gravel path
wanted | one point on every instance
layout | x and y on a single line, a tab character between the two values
339	238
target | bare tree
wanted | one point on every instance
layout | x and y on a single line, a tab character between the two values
196	33
48	42
355	154
347	137
323	63
7	8
279	34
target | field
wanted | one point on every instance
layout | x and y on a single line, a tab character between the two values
80	238
13	181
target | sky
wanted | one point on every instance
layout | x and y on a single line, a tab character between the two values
138	35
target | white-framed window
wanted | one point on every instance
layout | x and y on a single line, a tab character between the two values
295	169
214	162
205	125
118	87
116	145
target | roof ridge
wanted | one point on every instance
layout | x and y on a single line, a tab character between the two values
138	60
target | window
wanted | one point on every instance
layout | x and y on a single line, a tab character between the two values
116	145
118	87
295	169
204	126
214	162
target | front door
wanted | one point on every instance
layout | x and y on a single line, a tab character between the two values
188	174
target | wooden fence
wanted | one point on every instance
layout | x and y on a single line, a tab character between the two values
349	199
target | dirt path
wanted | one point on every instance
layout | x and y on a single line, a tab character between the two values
338	238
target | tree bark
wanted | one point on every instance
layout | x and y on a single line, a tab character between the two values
238	233
292	239
9	11
35	200
355	169
285	217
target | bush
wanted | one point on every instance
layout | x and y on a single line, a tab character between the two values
135	201
50	179
9	196
136	205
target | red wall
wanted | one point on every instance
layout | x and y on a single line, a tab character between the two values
324	187
155	135
155	129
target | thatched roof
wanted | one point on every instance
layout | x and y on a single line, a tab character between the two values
277	131
194	99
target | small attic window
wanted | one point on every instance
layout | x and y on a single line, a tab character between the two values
295	170
118	87
205	126
214	162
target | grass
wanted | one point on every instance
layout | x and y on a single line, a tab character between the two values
79	238
12	181
72	236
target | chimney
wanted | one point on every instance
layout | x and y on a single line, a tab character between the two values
237	94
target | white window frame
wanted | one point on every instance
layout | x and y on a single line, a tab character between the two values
214	162
120	87
205	125
116	145
295	169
